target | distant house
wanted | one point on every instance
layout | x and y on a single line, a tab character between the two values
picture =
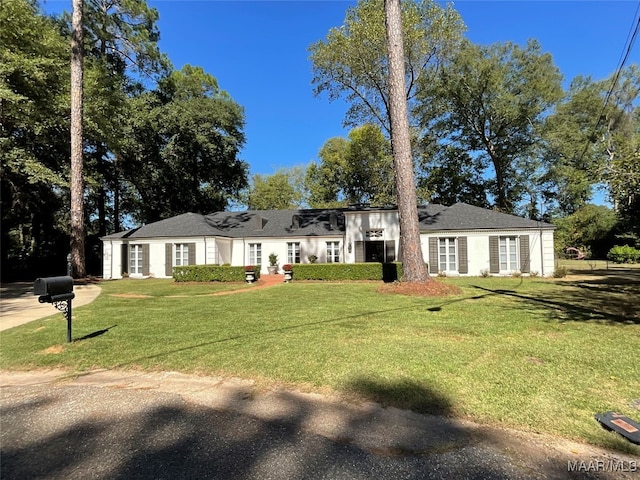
457	240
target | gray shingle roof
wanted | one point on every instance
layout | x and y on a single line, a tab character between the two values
257	223
295	223
462	216
277	223
185	225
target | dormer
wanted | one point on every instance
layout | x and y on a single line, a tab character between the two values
333	220
295	222
260	222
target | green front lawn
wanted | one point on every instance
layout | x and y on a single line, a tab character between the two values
527	353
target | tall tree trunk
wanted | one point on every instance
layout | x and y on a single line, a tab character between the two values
77	180
116	194
413	266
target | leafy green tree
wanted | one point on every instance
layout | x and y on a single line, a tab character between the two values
354	170
182	153
621	170
324	180
352	61
490	101
450	176
274	192
571	157
370	173
375	52
121	45
590	143
591	229
124	35
34	147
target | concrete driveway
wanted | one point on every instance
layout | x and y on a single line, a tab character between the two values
18	304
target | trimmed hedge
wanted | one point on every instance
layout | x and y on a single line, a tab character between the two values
388	272
209	273
624	254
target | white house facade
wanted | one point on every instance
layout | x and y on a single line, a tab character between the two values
456	240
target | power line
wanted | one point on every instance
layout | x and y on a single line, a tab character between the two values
626	51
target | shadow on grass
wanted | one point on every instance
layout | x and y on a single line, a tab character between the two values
613	299
404	393
97	333
265	332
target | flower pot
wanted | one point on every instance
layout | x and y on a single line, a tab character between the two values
272	269
288	276
250	277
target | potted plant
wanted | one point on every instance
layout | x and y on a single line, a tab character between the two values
288	272
250	273
273	264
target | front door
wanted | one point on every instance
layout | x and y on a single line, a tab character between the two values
374	251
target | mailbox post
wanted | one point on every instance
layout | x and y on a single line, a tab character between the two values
59	292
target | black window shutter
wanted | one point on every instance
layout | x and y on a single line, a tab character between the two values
124	258
168	259
192	253
525	254
390	253
433	255
359	246
494	254
145	259
463	258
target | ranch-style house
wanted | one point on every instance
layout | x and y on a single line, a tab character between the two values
456	240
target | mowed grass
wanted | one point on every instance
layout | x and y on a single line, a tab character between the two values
597	266
163	288
533	354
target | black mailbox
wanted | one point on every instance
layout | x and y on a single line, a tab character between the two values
53	289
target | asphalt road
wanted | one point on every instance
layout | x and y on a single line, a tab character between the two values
156	426
63	433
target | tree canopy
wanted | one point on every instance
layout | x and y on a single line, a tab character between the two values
352	62
591	144
280	191
34	148
357	169
182	156
490	101
150	150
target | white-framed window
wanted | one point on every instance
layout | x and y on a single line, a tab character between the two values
333	252
293	252
374	233
447	255
135	259
255	254
508	254
181	254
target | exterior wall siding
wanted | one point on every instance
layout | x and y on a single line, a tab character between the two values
235	251
358	223
107	260
541	260
308	246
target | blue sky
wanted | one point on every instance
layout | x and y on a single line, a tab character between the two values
258	52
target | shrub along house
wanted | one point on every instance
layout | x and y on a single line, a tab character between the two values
457	240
